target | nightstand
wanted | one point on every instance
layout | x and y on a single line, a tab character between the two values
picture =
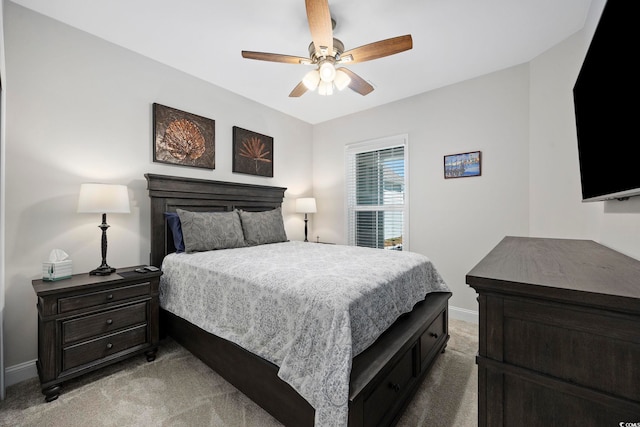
88	322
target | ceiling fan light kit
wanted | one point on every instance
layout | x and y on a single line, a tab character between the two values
326	52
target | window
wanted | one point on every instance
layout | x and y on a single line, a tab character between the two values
377	188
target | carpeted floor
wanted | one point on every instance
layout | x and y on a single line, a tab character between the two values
178	390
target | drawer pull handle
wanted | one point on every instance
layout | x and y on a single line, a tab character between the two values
109	321
395	387
109	346
110	296
433	334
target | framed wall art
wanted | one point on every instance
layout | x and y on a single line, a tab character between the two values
252	153
182	138
463	165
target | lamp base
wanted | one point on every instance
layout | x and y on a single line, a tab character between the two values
103	270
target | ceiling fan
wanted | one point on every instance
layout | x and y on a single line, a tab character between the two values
327	52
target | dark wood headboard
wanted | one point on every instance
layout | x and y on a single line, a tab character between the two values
168	193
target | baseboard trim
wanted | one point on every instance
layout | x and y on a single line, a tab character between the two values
464	314
20	372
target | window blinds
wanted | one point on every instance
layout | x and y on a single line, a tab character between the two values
376	195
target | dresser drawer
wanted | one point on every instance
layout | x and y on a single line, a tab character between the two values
385	395
102	297
94	350
102	323
431	337
528	403
587	348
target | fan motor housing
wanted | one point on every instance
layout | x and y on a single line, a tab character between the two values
338	48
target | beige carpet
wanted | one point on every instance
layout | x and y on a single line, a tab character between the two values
178	390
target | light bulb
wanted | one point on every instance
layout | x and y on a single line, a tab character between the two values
327	72
311	79
341	80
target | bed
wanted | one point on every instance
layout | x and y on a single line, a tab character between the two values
383	376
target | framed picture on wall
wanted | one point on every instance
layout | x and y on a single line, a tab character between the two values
182	138
252	153
463	165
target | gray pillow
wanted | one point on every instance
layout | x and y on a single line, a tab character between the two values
263	227
204	231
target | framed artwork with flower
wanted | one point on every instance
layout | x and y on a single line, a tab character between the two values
252	153
182	138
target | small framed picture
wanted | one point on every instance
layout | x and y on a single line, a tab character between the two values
252	153
463	165
182	138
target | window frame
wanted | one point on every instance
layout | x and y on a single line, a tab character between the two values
350	152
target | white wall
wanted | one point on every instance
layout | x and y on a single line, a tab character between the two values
454	222
555	196
2	186
80	109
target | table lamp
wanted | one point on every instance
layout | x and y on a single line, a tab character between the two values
104	199
306	205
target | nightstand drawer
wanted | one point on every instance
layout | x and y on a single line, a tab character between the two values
102	323
97	349
103	297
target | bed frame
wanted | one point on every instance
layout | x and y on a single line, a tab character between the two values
384	377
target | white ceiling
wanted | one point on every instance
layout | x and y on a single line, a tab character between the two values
453	40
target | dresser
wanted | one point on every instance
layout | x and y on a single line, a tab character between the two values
559	334
88	322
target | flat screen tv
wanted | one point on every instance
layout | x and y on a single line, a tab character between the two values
606	109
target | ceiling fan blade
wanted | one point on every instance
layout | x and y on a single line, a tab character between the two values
275	57
319	18
298	90
357	84
377	49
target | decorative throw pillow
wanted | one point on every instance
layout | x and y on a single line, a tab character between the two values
204	231
263	227
173	220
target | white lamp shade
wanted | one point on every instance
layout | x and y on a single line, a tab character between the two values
311	79
306	205
327	72
342	79
325	88
103	198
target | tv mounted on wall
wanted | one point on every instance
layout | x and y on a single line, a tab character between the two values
605	96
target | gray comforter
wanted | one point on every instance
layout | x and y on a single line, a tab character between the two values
308	308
